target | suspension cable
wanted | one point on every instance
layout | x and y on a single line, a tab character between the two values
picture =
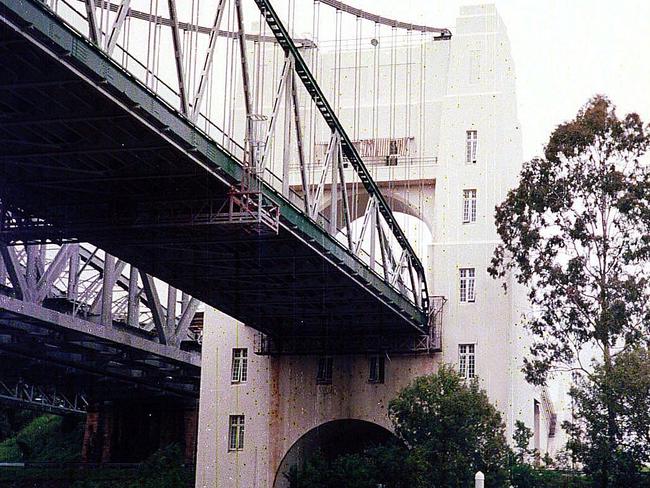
384	20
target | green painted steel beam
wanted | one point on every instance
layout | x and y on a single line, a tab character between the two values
319	98
42	26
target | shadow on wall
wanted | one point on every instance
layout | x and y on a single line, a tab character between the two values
332	439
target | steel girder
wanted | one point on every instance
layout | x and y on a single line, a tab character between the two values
43	398
154	153
74	312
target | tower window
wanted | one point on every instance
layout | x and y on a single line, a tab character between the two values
324	375
471	145
469	206
467	284
236	433
467	360
239	365
377	369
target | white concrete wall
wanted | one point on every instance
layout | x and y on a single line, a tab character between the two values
485	103
281	400
216	465
302	405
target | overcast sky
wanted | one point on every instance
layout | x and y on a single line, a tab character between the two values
564	52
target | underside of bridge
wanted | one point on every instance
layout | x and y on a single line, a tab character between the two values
45	347
100	159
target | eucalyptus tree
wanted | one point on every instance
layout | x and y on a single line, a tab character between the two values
575	233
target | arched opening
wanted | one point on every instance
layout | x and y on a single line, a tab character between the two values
331	439
416	230
399	204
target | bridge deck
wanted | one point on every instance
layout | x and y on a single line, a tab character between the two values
44	346
90	150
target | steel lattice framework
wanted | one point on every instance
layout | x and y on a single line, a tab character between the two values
116	151
73	317
41	398
94	286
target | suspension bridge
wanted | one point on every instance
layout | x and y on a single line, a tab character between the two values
95	156
207	163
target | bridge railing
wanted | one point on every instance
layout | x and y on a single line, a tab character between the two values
256	96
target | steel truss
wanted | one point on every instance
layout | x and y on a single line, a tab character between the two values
396	261
73	316
401	266
338	344
43	398
85	282
154	187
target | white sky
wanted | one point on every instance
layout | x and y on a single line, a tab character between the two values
564	53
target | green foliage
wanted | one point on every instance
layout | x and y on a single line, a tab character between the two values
521	438
527	476
47	438
65	477
448	430
387	465
527	471
628	381
13	420
452	429
10	451
50	438
576	232
163	469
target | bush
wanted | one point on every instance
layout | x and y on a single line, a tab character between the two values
164	469
452	430
376	465
46	438
527	476
9	451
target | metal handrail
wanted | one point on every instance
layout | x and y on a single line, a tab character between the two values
347	147
420	294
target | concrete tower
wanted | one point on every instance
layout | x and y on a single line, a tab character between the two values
445	147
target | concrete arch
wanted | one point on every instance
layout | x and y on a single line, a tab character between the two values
400	198
331	438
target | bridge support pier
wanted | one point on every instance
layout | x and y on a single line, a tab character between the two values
98	433
130	431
